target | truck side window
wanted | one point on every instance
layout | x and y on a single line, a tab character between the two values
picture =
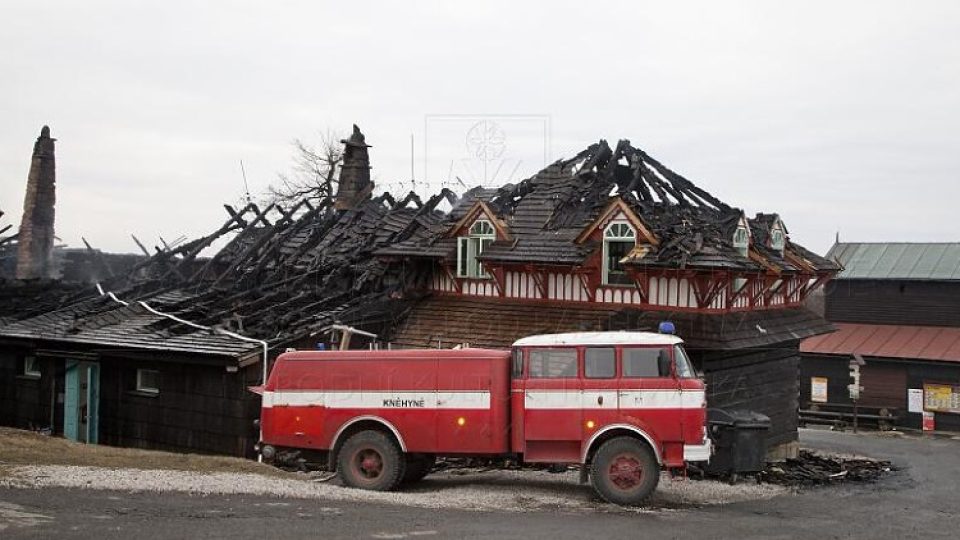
646	362
599	363
552	363
516	370
684	367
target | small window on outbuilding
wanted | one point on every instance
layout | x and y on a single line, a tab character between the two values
148	381
619	239
471	246
31	367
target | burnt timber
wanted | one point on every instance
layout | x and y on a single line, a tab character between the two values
393	266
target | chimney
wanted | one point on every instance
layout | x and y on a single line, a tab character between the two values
35	241
355	185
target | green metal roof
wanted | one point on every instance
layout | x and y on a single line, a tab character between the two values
897	260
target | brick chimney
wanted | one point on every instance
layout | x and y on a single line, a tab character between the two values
35	241
355	185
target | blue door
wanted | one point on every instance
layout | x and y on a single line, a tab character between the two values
81	403
71	401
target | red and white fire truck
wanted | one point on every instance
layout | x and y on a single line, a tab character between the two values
623	405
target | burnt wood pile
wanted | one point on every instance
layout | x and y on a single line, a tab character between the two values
815	469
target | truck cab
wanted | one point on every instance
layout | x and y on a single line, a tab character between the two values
571	394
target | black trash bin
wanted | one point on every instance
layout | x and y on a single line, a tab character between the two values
739	442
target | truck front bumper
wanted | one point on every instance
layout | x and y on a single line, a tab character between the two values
698	452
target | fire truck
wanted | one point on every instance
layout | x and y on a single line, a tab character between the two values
622	405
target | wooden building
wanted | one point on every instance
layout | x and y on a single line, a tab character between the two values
613	239
897	307
160	356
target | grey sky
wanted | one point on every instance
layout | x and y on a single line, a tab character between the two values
838	115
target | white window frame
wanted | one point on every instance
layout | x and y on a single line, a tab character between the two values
147	389
741	240
469	247
30	367
616	231
777	239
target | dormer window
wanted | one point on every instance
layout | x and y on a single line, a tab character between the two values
741	240
469	247
619	239
777	240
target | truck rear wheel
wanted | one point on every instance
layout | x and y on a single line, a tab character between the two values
624	471
418	466
371	460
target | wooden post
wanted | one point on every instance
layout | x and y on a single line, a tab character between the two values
855	416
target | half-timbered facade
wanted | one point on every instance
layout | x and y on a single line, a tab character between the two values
616	227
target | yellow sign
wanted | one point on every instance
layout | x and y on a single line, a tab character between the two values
941	398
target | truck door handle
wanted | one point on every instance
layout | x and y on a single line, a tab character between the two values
599	400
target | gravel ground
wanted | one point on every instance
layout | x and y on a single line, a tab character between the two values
504	490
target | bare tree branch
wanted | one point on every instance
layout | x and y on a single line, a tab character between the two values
314	173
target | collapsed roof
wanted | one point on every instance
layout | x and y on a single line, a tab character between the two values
289	272
545	215
285	274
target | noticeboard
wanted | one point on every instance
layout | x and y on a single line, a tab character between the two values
943	398
818	389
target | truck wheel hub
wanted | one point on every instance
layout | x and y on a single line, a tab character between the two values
625	472
370	463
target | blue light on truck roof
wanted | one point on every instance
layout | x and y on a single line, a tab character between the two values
667	327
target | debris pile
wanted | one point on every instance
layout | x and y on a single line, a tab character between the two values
816	469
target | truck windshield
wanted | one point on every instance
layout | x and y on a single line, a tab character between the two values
684	367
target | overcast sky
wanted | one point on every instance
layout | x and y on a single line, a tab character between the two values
840	116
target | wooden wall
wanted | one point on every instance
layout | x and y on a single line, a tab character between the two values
200	408
835	369
761	380
885	383
893	302
25	402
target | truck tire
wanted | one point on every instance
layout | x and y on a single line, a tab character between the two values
371	460
418	466
624	471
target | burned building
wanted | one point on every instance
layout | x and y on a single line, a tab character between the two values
162	355
610	239
613	239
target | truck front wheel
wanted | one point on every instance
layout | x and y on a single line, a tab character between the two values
371	460
624	471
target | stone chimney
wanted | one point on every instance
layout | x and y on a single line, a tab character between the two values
35	241
355	185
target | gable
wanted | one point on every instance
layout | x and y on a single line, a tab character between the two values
479	210
618	210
